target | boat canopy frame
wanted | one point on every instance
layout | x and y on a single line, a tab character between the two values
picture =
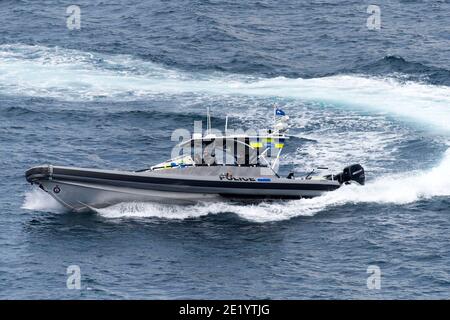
252	148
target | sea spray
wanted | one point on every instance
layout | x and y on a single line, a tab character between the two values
37	199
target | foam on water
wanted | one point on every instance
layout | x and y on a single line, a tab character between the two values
71	74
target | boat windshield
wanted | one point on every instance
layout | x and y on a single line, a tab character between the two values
237	150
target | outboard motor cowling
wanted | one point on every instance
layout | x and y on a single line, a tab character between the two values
355	172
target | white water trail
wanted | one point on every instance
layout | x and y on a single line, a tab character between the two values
71	74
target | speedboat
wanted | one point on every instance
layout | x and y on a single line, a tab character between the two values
210	166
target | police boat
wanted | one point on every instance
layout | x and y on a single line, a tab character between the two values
237	166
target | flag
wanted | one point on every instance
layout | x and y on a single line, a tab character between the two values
279	112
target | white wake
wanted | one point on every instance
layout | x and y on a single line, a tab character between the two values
77	75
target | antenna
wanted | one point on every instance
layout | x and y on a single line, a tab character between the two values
208	121
226	124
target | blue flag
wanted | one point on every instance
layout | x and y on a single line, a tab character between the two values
279	112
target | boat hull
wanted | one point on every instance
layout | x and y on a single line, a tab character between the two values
82	189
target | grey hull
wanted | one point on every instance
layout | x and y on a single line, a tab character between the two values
80	189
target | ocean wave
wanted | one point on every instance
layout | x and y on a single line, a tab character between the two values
404	70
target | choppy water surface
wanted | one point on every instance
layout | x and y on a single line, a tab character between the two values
110	95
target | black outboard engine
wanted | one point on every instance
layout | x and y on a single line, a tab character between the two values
355	172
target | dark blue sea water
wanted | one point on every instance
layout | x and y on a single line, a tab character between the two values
110	95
